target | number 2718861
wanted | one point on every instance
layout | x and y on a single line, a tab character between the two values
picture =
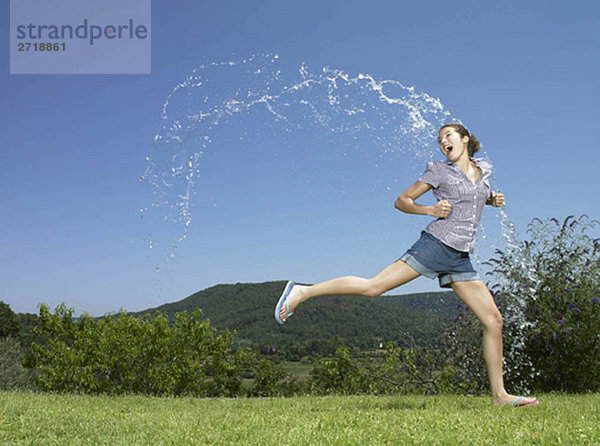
28	46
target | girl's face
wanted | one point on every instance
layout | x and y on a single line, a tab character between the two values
452	145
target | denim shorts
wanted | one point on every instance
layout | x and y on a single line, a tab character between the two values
432	258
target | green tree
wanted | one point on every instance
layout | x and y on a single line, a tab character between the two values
10	325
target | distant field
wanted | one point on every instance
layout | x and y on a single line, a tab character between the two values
298	369
41	419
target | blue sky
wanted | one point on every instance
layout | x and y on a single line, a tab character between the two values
521	75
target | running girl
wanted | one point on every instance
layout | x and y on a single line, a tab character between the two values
461	186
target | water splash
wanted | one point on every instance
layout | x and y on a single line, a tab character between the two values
381	130
518	367
393	117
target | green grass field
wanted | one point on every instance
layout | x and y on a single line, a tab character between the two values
298	369
37	419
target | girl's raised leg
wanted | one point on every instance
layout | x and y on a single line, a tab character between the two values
396	274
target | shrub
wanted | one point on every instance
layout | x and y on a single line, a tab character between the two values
398	371
272	379
125	354
13	376
465	355
341	374
548	290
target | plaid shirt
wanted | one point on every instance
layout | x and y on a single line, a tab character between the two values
450	183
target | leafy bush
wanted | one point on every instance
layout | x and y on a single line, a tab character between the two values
124	354
465	355
548	290
13	376
341	374
272	379
398	370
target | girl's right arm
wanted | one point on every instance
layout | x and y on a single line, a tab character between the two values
406	202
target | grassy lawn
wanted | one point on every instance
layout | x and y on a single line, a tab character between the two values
27	418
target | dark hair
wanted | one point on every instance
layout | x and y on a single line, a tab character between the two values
474	143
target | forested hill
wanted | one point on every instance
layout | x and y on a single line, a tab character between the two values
320	325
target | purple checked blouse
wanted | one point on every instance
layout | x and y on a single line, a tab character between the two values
458	230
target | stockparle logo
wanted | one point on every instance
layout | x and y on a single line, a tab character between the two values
75	37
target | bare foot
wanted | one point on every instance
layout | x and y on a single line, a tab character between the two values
293	300
516	401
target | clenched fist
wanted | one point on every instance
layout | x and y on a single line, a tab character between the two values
496	199
441	209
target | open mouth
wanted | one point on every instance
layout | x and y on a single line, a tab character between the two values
448	150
